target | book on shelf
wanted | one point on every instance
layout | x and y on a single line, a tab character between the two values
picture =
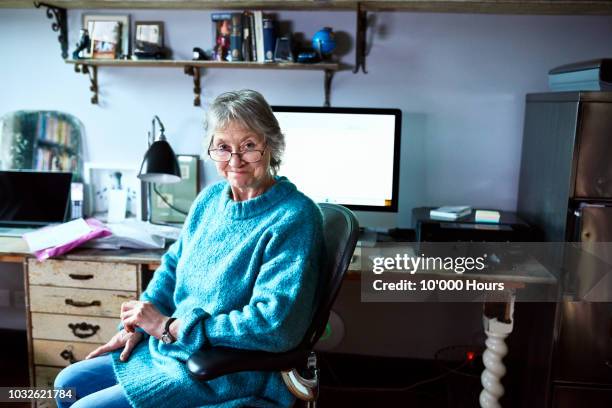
450	212
269	38
245	36
259	40
236	38
488	216
222	26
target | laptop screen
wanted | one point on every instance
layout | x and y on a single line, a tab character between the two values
31	198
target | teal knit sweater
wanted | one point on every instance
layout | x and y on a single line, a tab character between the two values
242	274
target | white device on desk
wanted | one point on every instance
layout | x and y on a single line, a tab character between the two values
32	199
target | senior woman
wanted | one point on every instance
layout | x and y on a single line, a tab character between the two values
243	274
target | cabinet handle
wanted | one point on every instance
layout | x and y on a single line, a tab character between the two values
80	277
67	354
77	303
83	330
608	364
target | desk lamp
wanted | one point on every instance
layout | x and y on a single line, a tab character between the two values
159	164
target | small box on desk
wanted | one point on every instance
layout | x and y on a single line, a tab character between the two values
509	228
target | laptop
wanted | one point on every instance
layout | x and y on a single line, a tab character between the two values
32	199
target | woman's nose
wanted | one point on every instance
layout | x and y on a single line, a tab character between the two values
235	160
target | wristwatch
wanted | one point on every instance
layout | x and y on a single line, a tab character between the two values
167	337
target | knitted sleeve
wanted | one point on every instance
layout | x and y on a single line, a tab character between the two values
160	290
280	309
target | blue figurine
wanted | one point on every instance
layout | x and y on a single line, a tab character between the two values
83	44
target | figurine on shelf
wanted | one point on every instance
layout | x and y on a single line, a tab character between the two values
199	54
83	44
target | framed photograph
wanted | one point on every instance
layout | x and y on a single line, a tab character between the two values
106	35
149	34
178	195
102	180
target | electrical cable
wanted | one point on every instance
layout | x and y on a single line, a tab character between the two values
165	200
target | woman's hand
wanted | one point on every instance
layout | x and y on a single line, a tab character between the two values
144	315
122	339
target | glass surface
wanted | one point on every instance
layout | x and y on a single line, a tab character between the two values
43	141
341	158
33	198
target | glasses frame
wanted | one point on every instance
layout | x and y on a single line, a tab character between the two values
239	154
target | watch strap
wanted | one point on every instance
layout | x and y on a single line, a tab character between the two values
167	328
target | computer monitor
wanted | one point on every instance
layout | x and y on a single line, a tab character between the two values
347	156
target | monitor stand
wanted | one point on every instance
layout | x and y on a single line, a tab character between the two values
367	237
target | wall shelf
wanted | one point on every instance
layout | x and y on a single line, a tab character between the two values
193	68
602	7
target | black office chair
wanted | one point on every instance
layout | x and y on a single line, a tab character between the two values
340	228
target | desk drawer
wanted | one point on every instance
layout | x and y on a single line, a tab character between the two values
92	275
89	302
45	377
73	328
60	353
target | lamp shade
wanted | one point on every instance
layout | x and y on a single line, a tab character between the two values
160	164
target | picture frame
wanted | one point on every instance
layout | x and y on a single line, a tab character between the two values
148	34
89	23
181	194
99	180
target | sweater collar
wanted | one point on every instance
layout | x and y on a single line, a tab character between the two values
255	206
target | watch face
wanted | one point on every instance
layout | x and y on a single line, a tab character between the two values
166	338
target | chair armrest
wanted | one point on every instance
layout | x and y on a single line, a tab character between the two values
217	361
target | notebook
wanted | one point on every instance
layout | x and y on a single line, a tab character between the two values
32	199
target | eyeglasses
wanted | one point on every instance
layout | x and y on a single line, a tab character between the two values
248	156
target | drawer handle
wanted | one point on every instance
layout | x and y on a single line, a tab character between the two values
609	363
77	303
83	330
80	277
67	354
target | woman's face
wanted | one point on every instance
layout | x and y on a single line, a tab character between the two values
240	174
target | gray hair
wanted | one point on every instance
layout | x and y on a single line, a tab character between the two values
249	109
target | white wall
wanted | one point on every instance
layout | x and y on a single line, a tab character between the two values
460	80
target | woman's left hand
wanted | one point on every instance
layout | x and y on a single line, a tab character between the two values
144	315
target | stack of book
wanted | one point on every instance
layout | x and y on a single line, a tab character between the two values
449	213
247	36
593	75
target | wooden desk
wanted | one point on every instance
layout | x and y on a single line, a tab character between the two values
73	302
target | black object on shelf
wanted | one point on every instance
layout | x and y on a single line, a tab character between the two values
465	229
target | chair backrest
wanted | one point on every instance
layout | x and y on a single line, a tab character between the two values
341	231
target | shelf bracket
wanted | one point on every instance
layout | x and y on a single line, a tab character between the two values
92	72
362	28
60	24
197	90
329	75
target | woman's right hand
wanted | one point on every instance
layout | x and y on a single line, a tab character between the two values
122	339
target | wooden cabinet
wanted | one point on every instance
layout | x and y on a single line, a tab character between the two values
72	308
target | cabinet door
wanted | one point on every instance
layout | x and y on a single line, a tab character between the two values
585	343
594	168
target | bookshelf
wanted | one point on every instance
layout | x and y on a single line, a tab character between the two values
42	141
57	9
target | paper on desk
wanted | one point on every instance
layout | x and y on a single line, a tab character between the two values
56	235
128	234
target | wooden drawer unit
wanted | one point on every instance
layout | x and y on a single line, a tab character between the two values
79	274
73	307
88	302
73	328
44	377
60	353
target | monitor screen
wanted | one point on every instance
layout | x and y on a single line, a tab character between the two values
347	156
31	198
